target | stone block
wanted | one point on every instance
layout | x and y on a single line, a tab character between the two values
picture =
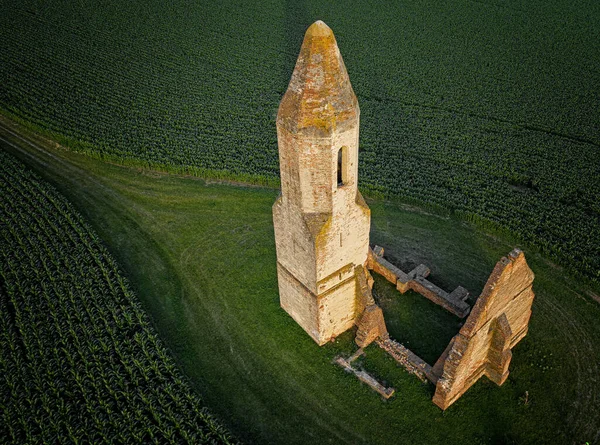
407	359
378	251
402	287
459	294
420	271
439	296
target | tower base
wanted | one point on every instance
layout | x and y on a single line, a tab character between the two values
323	316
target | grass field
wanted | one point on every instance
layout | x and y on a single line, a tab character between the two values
487	108
201	257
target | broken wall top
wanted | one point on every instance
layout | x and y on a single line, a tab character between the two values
508	281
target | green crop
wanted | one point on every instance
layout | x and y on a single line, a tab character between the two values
79	360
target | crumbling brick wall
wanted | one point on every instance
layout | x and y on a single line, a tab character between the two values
370	322
454	302
497	322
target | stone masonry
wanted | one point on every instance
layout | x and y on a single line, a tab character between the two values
321	220
498	321
416	280
363	376
369	321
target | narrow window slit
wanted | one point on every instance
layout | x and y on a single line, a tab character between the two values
342	166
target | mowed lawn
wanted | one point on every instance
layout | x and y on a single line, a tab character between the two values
201	257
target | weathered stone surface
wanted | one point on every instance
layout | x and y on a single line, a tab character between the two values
420	271
364	297
371	326
497	322
378	251
321	224
370	322
452	302
370	280
319	100
407	359
459	294
389	271
415	280
299	302
364	377
402	287
363	291
438	367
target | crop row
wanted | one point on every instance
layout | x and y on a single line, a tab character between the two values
79	361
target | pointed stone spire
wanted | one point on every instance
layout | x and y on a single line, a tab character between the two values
319	99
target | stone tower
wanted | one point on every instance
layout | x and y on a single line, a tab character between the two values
321	220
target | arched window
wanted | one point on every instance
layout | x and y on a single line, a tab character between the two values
342	166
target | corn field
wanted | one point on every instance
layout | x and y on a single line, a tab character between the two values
79	361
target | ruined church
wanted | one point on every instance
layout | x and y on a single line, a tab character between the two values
324	260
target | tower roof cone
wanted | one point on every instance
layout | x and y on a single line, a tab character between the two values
319	98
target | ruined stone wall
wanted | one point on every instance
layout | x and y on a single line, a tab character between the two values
322	227
416	280
497	322
369	316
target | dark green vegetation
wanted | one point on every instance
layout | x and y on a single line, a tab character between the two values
79	360
201	257
486	108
